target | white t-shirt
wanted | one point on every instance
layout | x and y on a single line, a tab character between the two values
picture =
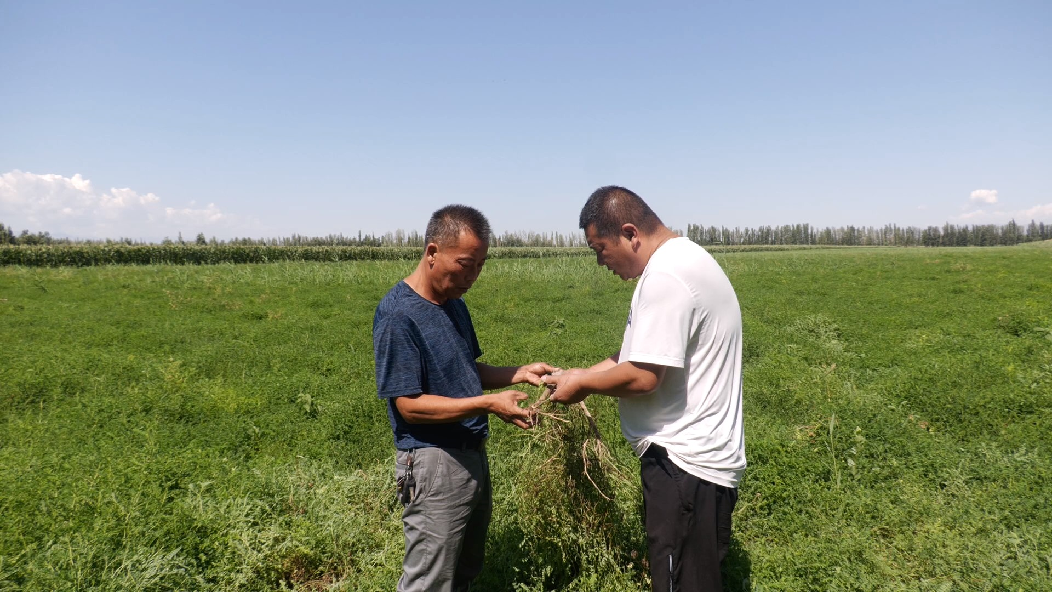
685	316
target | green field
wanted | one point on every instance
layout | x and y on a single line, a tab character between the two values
217	428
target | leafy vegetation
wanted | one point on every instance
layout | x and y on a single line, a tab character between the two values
889	235
216	427
84	255
81	255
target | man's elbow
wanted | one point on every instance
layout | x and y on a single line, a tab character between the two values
407	408
646	381
647	385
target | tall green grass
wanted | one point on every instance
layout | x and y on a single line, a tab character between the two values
216	428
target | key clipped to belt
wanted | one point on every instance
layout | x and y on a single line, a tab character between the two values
407	484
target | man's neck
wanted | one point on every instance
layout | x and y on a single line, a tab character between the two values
654	242
418	281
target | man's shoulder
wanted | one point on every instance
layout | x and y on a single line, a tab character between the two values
688	266
679	258
684	257
680	248
396	303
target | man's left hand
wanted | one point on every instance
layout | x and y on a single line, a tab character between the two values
568	387
532	373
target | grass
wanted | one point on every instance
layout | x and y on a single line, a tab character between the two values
908	396
217	427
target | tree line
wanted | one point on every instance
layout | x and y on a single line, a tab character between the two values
889	235
947	235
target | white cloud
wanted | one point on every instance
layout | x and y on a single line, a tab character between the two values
984	196
209	215
1039	213
975	213
72	206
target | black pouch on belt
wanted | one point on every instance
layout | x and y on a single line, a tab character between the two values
407	484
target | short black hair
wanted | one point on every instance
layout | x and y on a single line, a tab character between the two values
611	207
447	223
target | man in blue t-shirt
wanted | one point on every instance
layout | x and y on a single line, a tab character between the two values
427	370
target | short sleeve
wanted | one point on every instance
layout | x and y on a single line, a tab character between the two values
661	321
399	363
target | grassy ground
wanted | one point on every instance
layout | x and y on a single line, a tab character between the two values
216	428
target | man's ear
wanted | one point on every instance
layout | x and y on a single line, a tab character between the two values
630	233
429	253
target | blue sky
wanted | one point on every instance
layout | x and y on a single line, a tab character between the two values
268	119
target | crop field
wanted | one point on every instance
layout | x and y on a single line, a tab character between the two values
216	427
88	255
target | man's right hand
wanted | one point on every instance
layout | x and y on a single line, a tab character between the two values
505	405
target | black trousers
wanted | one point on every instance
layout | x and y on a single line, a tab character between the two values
688	524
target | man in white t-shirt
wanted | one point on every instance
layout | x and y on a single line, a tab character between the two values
678	381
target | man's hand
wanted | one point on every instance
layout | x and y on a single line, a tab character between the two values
505	405
568	387
532	373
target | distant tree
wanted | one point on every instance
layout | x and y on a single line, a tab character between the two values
948	235
40	238
1011	234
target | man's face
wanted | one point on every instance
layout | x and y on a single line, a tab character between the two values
614	252
456	266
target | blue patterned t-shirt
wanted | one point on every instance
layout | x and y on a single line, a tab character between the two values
423	347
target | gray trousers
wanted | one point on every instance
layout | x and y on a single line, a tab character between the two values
446	522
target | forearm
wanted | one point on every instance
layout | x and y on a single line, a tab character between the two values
494	377
426	408
622	380
606	364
